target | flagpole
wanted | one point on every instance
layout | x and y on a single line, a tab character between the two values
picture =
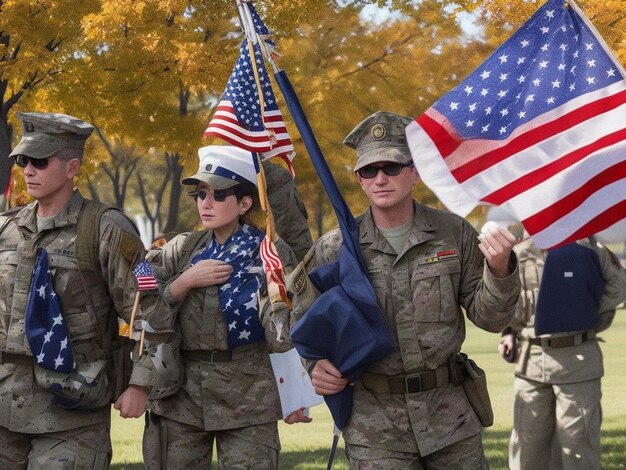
133	314
275	286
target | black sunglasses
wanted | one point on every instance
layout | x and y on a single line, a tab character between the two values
39	163
390	169
219	195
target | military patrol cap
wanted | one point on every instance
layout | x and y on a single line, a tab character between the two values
44	134
223	166
380	138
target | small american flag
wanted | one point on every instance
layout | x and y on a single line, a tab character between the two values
539	129
238	118
145	275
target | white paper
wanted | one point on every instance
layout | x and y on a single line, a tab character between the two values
293	382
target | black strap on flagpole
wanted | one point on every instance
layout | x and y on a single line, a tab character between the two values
333	449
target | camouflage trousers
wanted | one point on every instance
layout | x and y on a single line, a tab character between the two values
556	426
170	445
88	447
466	454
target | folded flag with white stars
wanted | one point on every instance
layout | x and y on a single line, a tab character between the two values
46	329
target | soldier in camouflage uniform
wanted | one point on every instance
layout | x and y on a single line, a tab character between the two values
228	394
557	413
425	266
49	419
290	215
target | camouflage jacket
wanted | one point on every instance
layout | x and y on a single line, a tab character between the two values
423	291
570	364
220	395
91	306
290	215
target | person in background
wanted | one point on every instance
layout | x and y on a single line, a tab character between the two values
228	395
568	295
426	266
55	407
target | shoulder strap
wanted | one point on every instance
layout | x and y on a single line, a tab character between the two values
10	215
88	235
191	242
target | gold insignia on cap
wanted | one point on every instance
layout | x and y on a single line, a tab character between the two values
378	132
28	126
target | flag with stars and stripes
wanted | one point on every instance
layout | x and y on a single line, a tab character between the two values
239	295
539	129
246	122
46	329
145	275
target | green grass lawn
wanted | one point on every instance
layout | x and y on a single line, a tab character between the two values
306	446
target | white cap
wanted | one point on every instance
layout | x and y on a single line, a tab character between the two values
223	166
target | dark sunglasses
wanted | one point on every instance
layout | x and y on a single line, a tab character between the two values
39	163
390	169
219	195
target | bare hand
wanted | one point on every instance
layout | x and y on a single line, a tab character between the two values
208	272
327	379
496	244
298	416
133	402
506	348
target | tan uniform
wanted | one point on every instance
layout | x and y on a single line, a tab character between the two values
90	303
421	291
231	398
557	388
290	215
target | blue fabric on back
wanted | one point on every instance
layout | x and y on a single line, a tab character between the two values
570	290
345	326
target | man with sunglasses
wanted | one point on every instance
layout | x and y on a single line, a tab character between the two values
427	266
52	419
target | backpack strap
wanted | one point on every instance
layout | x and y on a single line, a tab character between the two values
191	242
88	235
9	216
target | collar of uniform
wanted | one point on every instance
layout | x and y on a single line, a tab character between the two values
27	218
420	232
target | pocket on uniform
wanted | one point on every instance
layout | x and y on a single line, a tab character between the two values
434	295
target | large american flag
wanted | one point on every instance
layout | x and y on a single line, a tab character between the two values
539	129
238	118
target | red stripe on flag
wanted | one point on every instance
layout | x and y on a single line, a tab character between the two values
146	283
446	143
601	221
536	135
542	219
269	256
536	177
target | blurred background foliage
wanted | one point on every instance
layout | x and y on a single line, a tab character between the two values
149	73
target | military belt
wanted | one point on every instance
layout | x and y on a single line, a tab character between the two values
415	383
563	341
222	356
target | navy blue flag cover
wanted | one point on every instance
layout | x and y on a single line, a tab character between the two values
45	326
345	324
570	290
